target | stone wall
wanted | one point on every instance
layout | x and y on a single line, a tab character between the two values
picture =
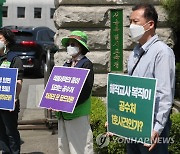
93	17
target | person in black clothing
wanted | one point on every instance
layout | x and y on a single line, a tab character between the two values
9	134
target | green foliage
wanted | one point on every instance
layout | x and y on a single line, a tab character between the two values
175	134
97	120
172	8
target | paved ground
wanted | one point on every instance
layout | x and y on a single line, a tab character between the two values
36	137
38	142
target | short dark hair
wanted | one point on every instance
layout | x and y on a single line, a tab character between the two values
8	35
150	12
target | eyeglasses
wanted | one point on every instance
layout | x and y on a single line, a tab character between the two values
71	44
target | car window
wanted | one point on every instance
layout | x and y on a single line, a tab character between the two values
25	36
51	35
45	35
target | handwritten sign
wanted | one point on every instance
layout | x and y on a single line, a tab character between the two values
63	88
130	103
8	79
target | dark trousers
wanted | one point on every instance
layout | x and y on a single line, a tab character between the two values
9	134
160	148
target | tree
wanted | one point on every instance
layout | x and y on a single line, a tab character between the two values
172	8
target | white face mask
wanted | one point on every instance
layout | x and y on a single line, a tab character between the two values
137	31
72	51
2	46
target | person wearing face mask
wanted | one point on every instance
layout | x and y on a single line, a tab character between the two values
152	58
74	131
9	134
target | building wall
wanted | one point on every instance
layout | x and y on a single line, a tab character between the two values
93	17
29	19
1	3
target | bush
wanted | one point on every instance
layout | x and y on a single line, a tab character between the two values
172	8
175	134
97	120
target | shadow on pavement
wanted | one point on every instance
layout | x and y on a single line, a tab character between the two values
28	74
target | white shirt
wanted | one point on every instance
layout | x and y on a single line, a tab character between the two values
157	62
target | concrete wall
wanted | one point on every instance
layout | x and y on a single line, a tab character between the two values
93	17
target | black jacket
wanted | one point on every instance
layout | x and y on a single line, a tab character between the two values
87	88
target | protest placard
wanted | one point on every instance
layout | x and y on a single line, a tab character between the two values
130	106
63	88
8	80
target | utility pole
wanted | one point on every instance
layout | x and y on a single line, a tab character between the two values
1	4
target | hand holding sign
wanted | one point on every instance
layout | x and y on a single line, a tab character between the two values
154	140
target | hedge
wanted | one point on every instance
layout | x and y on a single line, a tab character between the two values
97	120
172	8
174	148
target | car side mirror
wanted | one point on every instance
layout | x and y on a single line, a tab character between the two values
54	49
